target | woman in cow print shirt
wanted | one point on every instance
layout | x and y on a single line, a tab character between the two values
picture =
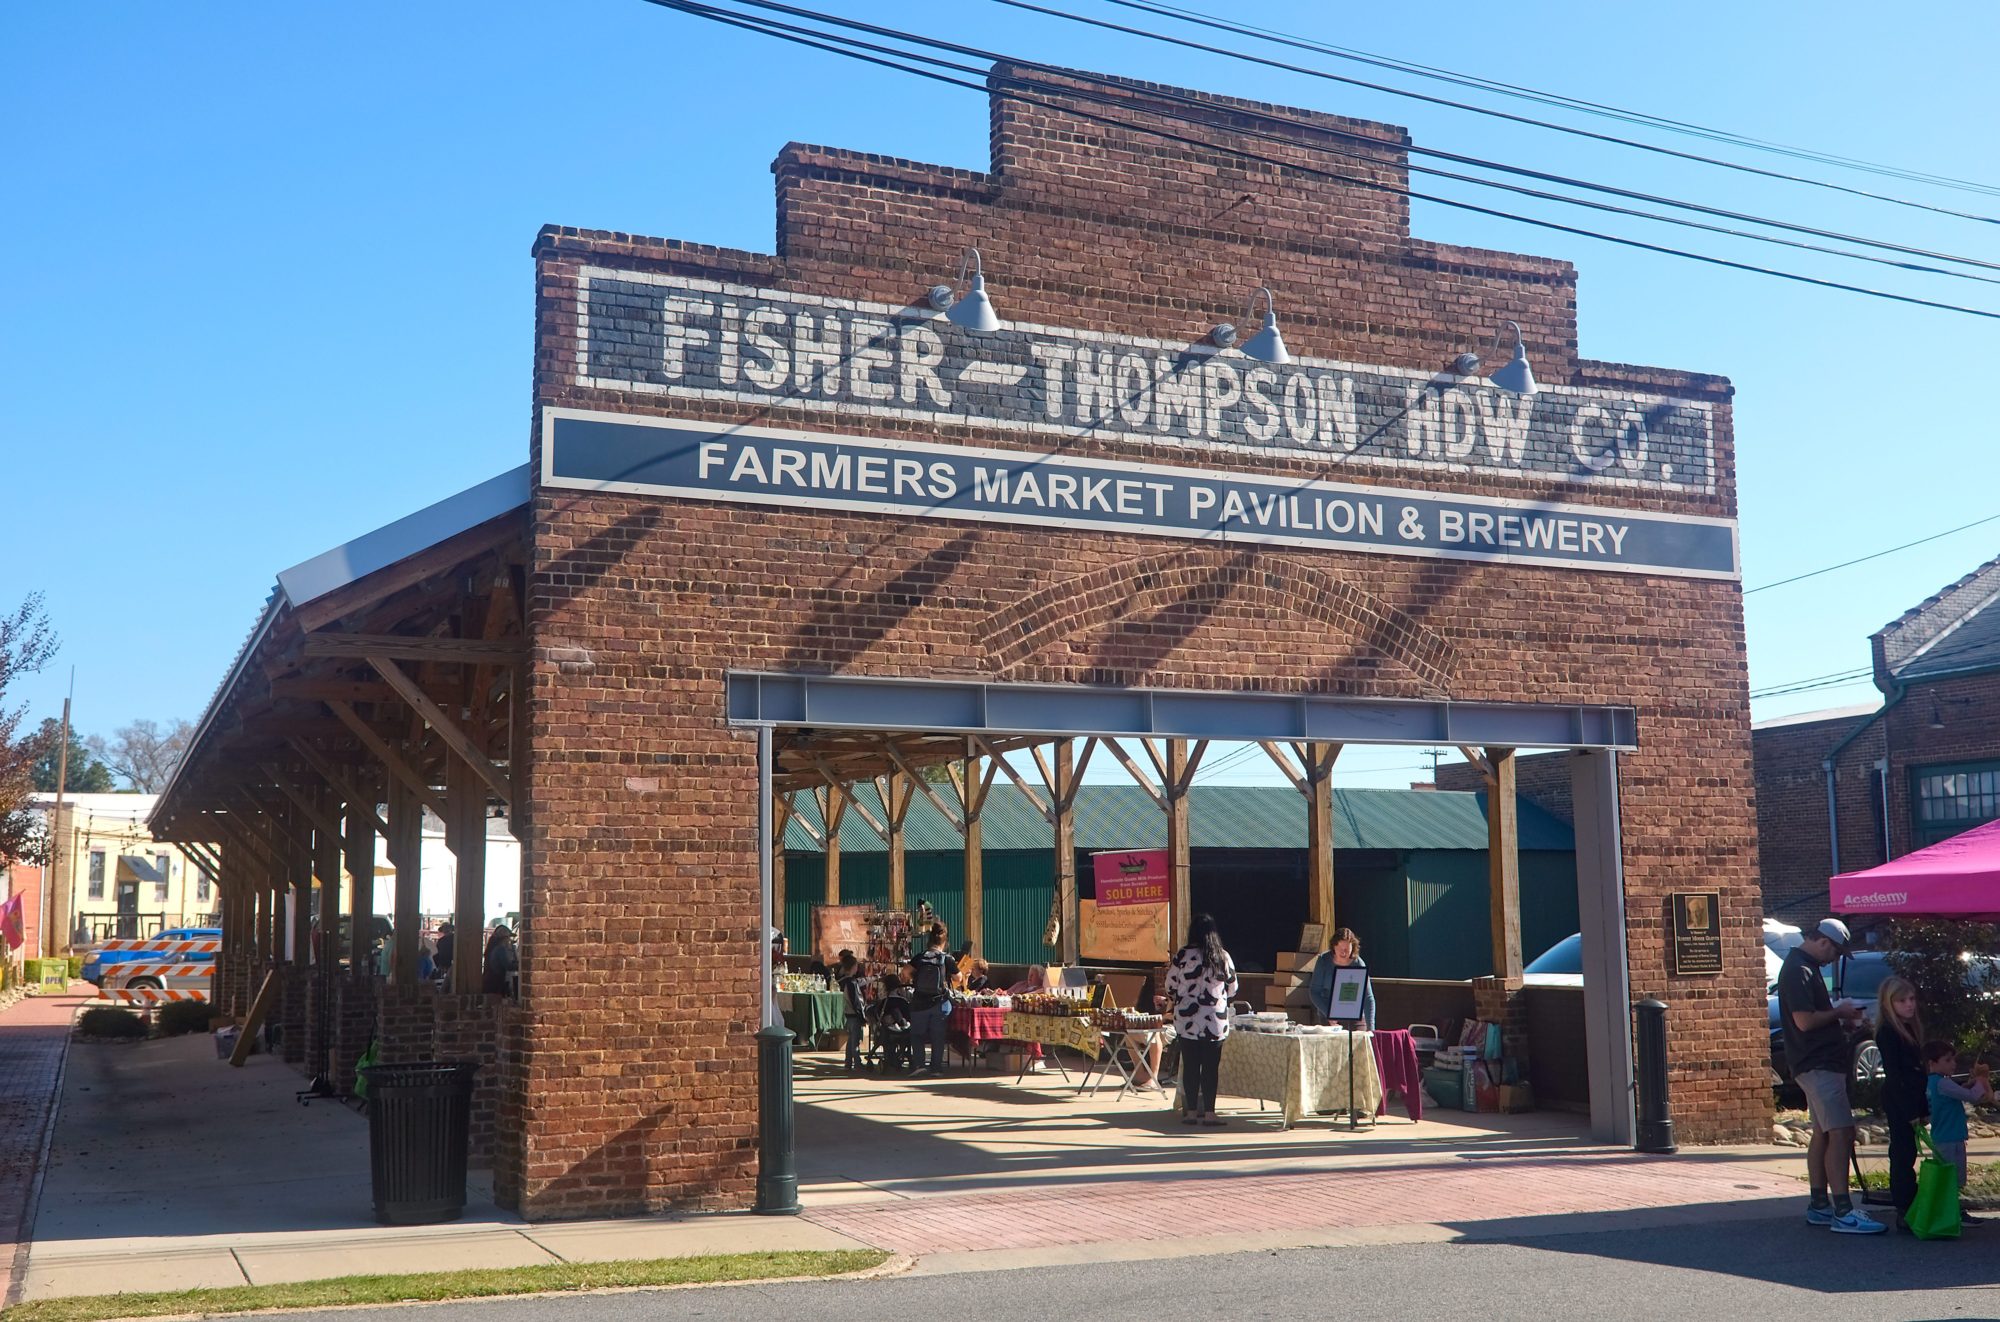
1201	981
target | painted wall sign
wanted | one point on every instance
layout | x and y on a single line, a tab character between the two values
1131	876
768	466
702	340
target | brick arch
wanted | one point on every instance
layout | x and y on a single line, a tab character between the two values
1187	588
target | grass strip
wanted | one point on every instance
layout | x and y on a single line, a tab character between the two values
430	1287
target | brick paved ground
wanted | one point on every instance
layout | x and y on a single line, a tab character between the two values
33	1033
1370	1196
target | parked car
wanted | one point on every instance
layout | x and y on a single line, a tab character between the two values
1561	965
1859	977
97	961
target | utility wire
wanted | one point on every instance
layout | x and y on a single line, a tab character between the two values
1555	99
1496	114
1876	555
1833	678
1203	113
843	46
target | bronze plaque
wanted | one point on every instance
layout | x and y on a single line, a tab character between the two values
1697	931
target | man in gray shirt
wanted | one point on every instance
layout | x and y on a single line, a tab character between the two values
1816	1049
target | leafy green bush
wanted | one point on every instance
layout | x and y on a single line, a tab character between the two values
111	1021
76	968
1959	1001
177	1017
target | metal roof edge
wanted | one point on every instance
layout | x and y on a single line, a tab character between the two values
272	605
352	560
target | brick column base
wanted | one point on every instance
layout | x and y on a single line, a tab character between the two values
354	1006
509	1111
290	1013
322	1009
1498	1000
468	1028
406	1024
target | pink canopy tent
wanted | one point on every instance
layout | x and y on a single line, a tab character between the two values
1955	878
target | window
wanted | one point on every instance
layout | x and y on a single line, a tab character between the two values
96	874
1947	800
160	886
204	886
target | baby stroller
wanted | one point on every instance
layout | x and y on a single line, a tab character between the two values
891	1047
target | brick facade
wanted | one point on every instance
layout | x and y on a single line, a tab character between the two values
635	1083
1794	858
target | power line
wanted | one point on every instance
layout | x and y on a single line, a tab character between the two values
844	46
1203	116
1572	130
1877	555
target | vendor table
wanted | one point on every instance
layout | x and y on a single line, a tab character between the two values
973	1026
1077	1032
1303	1075
1124	1050
813	1016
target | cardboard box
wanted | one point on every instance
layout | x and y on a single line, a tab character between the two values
1287	998
1296	961
1516	1097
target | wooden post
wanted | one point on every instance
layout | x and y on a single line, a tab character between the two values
326	866
973	800
833	808
1062	792
406	825
1318	787
262	941
359	848
1174	784
301	895
1503	862
900	793
465	795
781	817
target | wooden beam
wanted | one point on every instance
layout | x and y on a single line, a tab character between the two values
357	848
466	796
405	855
308	688
1503	864
326	865
832	810
1179	870
300	800
1283	761
854	804
400	771
1478	760
1318	789
923	786
398	647
1048	813
1132	769
348	792
447	728
897	796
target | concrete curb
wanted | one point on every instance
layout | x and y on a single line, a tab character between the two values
24	1241
898	1264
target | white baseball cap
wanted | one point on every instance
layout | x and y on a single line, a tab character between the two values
1836	931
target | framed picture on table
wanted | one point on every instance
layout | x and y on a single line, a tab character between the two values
1350	993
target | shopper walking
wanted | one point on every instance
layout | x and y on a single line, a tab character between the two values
501	960
1899	1036
1201	981
1815	1032
1343	952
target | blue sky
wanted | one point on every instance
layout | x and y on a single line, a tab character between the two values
269	282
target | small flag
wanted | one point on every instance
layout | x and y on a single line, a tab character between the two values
14	923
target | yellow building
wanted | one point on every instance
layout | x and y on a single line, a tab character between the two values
110	878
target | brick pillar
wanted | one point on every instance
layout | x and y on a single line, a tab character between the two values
354	1007
509	1112
322	1009
467	1027
1498	1000
291	1012
406	1024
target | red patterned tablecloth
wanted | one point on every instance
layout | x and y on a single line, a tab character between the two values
972	1026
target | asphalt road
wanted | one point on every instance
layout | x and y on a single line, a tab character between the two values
1761	1270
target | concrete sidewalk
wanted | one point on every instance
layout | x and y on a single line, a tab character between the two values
170	1170
34	1033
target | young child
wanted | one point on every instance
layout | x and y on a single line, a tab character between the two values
1948	1098
853	986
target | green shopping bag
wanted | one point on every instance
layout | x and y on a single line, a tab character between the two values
1934	1214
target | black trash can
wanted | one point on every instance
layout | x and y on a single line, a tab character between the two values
419	1126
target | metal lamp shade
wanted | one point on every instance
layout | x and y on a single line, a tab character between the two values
1267	345
1516	378
975	312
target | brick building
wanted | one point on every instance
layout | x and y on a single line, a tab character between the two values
1842	790
778	510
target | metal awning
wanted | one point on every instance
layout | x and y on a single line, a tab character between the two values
131	867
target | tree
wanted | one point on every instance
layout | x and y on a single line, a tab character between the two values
143	754
26	645
85	774
1954	994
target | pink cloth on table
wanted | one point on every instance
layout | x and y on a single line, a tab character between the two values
1396	1063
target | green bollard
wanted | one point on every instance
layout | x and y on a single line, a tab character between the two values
777	1173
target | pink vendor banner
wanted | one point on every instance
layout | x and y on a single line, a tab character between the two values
1137	876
